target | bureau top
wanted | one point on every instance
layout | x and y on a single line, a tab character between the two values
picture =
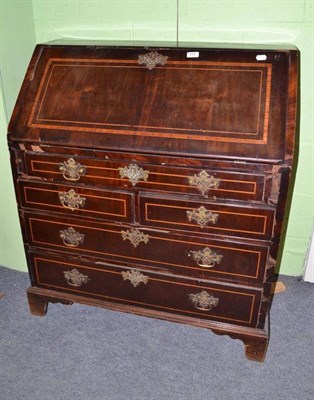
222	103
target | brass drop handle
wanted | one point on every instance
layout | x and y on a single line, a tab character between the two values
202	216
204	182
203	300
75	278
134	173
72	170
71	200
206	258
135	277
71	238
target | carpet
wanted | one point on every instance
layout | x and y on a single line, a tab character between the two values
80	353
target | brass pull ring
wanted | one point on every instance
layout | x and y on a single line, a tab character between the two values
202	216
135	277
206	258
72	170
204	301
71	238
71	200
204	182
133	173
75	278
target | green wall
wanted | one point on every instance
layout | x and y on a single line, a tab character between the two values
253	21
17	40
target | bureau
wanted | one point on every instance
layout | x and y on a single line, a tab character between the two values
154	180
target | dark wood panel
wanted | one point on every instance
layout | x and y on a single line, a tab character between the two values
207	217
164	251
214	99
77	201
146	289
228	103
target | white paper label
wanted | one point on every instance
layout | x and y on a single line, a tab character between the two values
261	57
192	54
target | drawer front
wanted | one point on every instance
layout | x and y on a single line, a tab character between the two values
76	200
205	217
135	174
230	304
179	254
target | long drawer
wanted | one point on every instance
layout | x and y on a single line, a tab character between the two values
234	219
202	257
199	299
76	200
138	173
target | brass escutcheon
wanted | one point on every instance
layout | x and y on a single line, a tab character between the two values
206	258
71	200
135	236
72	170
75	278
202	216
203	300
204	182
71	238
133	173
135	277
152	59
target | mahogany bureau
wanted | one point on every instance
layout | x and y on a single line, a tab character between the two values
154	180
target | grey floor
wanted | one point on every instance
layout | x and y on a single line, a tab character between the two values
84	353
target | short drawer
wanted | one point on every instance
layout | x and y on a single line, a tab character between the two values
205	182
235	219
198	257
206	300
75	200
